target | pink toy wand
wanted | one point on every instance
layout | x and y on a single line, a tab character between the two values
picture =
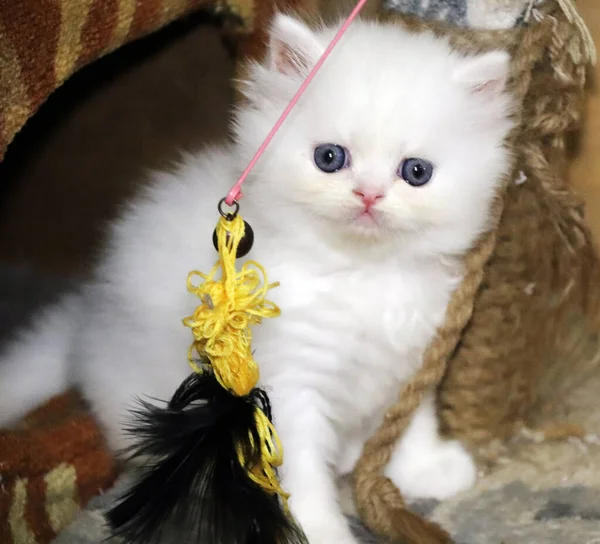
235	193
205	453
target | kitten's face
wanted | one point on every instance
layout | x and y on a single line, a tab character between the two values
397	138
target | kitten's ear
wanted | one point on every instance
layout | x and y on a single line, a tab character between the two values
293	47
484	74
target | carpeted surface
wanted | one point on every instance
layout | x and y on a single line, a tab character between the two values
541	494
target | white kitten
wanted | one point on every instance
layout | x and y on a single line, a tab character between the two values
378	183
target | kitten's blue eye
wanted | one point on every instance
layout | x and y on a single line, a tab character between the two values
331	158
415	172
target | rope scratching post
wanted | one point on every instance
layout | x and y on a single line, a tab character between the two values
379	502
550	57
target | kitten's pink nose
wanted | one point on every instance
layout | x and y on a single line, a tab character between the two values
368	196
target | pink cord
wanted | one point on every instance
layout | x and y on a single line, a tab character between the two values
235	193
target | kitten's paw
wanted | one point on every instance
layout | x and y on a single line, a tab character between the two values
438	472
322	526
328	535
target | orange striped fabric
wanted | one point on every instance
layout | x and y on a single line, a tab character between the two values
43	42
50	467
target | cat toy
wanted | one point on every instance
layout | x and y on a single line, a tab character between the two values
210	455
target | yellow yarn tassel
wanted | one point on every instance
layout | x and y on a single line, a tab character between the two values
271	457
231	303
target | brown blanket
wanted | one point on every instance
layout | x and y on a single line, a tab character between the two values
53	464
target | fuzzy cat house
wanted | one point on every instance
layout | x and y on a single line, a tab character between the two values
520	341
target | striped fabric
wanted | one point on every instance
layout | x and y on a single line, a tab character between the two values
43	42
50	467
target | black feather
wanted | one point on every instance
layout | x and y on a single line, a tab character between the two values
194	490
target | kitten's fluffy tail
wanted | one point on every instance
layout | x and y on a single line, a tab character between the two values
34	366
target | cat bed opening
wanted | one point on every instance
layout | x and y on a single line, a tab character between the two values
90	145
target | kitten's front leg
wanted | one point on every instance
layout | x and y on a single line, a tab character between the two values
425	466
309	443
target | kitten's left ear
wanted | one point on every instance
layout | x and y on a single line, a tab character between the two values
293	47
484	74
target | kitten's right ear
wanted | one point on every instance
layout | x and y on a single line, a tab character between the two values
484	74
293	47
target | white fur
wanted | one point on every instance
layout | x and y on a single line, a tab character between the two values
361	300
424	465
